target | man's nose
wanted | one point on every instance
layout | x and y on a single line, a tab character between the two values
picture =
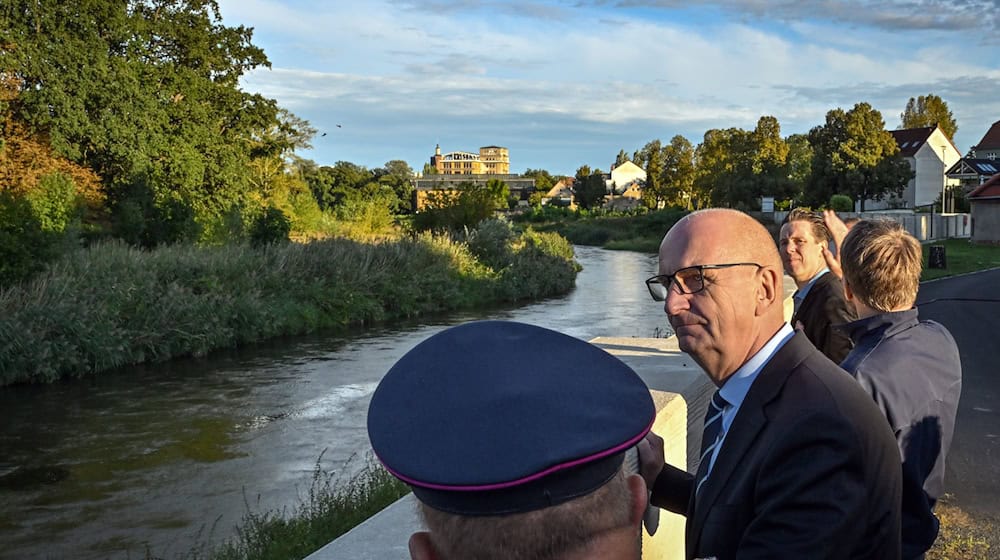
675	301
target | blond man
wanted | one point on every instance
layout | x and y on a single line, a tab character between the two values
911	368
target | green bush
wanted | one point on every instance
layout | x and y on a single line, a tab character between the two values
490	242
271	226
841	203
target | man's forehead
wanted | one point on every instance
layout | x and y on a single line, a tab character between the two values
797	228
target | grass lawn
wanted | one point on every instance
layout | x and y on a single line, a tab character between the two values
961	257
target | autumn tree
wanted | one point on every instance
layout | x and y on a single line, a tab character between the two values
928	110
854	155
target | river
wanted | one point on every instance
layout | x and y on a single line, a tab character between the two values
161	458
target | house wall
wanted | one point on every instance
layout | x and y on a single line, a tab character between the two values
986	221
625	174
929	164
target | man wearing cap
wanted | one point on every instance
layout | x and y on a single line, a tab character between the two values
797	460
513	439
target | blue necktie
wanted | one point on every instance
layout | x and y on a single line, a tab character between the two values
710	438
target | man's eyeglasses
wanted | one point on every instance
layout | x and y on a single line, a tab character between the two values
690	280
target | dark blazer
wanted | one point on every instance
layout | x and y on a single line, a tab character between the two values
808	469
823	307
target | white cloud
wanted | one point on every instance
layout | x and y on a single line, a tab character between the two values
564	85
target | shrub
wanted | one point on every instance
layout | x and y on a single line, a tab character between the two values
841	203
271	226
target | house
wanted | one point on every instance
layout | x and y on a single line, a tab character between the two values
985	203
930	154
625	184
972	172
625	176
989	146
561	194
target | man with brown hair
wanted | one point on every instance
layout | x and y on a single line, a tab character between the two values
911	368
514	440
796	461
819	300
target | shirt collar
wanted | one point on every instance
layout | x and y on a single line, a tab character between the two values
804	290
738	385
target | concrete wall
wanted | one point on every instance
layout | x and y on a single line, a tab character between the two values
986	216
925	227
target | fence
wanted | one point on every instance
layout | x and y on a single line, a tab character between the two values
925	227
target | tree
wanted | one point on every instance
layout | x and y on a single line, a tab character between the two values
142	92
854	155
464	207
589	189
798	165
650	158
679	171
398	176
544	181
929	110
621	158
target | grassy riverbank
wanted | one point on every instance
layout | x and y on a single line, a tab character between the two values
113	305
332	508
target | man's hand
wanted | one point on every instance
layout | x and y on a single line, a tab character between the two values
838	229
650	458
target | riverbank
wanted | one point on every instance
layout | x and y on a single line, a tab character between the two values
113	305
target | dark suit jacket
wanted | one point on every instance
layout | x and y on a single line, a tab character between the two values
808	469
823	307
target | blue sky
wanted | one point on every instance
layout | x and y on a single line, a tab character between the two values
565	84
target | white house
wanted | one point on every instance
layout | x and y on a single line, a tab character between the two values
930	154
624	176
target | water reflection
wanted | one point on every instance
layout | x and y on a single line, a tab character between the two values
163	456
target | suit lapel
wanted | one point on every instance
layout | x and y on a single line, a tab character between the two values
749	422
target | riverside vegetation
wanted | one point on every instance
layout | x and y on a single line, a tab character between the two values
112	304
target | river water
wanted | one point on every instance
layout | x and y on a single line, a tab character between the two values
162	458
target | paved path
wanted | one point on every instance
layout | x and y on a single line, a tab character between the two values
969	306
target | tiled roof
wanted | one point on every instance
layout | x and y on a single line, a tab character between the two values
991	140
910	139
989	189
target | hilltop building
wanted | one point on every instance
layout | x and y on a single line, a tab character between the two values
455	168
492	160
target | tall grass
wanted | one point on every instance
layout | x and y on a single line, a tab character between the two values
332	507
113	305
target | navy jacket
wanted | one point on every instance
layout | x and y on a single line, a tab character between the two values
808	469
824	307
912	370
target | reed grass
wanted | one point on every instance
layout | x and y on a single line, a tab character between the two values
113	305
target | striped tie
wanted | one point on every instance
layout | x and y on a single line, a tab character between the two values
710	438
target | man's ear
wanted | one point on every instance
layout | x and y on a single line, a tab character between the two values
767	289
848	292
421	547
640	498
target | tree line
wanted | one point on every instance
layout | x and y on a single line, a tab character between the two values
851	154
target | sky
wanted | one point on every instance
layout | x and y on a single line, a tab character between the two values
563	84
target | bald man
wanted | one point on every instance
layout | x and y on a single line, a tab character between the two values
797	461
